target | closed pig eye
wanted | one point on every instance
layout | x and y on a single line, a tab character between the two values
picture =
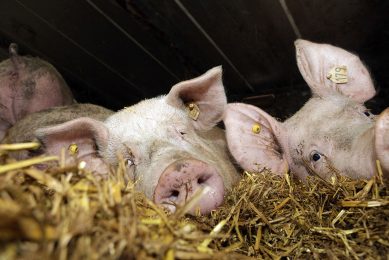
368	114
180	131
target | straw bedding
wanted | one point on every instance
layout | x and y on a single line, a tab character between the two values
66	213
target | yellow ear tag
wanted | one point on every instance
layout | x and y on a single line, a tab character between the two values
193	110
338	74
73	149
256	128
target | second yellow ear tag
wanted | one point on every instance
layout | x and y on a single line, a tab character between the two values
338	74
256	128
193	110
73	149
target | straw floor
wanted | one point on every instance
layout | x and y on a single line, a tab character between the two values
66	213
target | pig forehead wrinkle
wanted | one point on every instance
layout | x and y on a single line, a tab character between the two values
333	121
145	119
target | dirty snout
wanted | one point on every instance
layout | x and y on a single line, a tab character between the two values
182	179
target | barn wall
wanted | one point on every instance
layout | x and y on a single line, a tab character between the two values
116	53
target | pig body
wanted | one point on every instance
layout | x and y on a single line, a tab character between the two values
28	85
332	133
170	152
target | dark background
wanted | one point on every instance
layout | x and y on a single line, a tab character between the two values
118	52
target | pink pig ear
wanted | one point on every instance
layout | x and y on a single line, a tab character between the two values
207	92
382	139
319	64
254	138
87	134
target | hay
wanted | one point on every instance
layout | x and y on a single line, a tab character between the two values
66	212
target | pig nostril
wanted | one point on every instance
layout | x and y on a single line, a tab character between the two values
174	194
202	179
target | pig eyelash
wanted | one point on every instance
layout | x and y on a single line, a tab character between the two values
130	160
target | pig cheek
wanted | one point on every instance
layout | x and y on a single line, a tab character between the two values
146	178
299	170
321	169
131	174
298	165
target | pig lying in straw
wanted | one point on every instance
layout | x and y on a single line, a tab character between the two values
28	85
170	143
332	132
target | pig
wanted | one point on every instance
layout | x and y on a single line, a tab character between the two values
28	85
170	144
24	131
333	133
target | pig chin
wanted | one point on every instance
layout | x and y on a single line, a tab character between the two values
181	179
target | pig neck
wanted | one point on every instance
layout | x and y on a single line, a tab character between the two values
337	128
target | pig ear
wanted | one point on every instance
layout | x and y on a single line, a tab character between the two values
206	93
254	138
382	139
88	134
320	65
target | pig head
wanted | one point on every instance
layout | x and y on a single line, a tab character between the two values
332	133
170	144
28	85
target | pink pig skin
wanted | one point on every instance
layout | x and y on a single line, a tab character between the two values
168	154
332	132
28	85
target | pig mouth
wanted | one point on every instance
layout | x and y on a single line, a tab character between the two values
182	179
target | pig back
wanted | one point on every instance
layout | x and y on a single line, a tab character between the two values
23	130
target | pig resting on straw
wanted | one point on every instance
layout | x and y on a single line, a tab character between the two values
170	144
332	133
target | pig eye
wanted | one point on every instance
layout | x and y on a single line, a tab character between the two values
367	113
129	157
129	162
316	156
181	131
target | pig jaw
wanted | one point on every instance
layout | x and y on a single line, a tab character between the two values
182	179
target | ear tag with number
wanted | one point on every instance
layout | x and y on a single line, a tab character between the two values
193	110
338	74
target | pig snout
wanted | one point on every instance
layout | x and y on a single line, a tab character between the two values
180	181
